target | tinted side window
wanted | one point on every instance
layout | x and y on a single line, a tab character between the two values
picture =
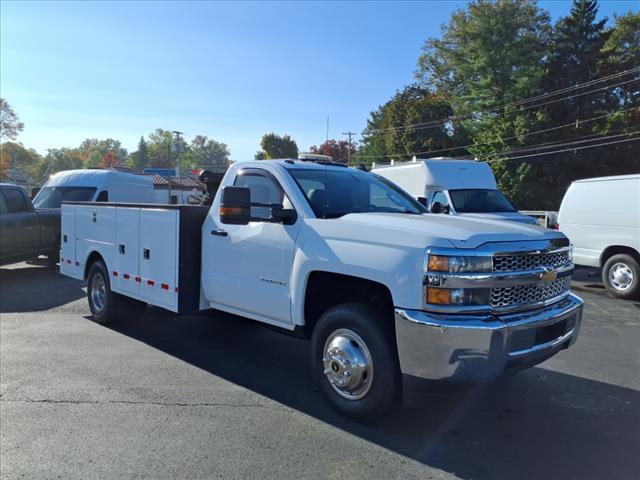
263	189
441	198
15	200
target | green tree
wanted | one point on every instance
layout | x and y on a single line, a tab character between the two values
491	54
403	126
159	146
140	159
276	146
10	124
205	153
93	150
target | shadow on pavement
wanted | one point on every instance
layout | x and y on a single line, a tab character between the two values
26	288
535	425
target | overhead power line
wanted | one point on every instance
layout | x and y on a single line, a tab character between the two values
513	137
634	139
444	121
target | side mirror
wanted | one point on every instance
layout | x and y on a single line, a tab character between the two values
235	206
422	201
282	215
437	207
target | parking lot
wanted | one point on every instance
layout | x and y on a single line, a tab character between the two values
221	397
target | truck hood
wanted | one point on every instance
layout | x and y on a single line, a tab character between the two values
510	216
461	231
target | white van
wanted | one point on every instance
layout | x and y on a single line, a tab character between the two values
601	217
456	187
108	185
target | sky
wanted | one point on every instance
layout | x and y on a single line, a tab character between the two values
230	71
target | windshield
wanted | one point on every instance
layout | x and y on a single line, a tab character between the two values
480	201
334	193
52	197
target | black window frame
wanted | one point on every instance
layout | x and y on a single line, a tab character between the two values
259	172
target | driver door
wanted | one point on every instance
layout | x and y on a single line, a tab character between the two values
249	266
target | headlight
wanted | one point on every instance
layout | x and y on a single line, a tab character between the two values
457	296
456	264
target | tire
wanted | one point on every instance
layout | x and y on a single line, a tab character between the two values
102	301
108	306
621	276
356	332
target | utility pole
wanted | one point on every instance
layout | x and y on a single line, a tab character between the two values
349	133
179	149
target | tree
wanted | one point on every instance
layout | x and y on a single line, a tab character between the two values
208	154
339	150
109	160
490	55
396	130
276	146
26	161
59	159
92	151
141	156
159	146
10	126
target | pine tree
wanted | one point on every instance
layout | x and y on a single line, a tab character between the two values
142	157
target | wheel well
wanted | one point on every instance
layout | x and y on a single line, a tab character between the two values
615	250
92	258
326	290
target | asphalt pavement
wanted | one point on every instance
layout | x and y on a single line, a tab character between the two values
218	396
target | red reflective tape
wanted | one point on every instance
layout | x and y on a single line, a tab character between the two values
115	274
164	286
176	289
138	279
151	282
126	276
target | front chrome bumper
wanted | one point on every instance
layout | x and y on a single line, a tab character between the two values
480	347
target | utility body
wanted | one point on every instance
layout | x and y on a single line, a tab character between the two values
381	287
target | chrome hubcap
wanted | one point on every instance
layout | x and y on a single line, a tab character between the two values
621	276
98	292
347	364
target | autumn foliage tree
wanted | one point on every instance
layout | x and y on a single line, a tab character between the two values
339	150
110	159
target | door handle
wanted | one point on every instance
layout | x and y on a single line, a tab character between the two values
219	233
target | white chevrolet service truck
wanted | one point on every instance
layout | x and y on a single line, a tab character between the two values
384	290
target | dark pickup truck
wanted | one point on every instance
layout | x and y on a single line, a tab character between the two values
25	232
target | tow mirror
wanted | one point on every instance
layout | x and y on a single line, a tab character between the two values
235	206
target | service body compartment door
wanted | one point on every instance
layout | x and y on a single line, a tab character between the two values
126	266
95	231
159	257
68	242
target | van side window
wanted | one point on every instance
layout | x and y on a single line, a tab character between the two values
441	198
103	196
16	202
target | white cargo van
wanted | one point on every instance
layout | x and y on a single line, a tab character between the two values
456	187
108	185
601	217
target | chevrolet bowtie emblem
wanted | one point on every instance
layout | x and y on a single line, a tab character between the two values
549	276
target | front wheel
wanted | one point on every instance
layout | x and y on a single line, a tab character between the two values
355	362
621	276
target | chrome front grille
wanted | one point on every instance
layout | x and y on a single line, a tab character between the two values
528	294
529	261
